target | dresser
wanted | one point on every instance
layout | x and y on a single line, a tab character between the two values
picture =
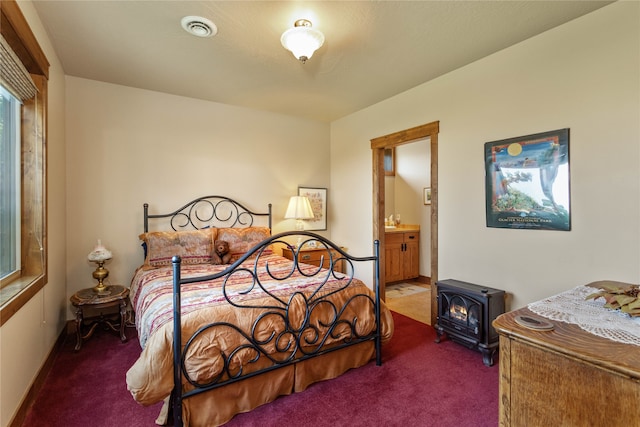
315	256
565	377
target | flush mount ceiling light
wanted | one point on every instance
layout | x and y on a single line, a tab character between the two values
199	26
302	40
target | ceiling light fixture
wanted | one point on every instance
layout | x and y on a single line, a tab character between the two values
199	26
302	40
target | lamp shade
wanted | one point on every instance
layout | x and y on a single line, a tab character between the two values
99	253
299	208
302	40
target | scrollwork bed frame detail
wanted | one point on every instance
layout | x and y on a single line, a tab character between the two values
294	341
219	211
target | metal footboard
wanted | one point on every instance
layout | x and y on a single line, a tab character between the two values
296	338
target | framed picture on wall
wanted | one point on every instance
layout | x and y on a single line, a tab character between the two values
427	196
318	199
527	182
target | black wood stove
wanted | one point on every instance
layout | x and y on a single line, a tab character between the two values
465	314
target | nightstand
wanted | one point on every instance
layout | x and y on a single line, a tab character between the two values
116	296
313	256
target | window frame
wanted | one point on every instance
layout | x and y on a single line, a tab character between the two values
16	31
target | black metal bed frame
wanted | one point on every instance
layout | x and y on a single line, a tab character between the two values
191	215
293	341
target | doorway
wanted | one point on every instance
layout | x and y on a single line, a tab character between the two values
378	146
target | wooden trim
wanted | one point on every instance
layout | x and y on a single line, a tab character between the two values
34	180
378	214
12	306
429	130
434	226
36	385
34	256
43	86
406	136
10	278
423	279
16	31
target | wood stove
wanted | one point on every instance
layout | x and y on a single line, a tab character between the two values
465	314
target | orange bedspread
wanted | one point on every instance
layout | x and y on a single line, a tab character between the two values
292	302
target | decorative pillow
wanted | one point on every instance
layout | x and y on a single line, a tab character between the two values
242	239
193	246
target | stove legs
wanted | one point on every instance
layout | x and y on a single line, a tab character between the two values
487	356
487	352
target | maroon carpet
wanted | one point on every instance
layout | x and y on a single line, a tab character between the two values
420	383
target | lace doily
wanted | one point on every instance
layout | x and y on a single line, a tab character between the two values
589	315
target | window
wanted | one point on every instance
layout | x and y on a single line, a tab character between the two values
390	161
23	203
9	187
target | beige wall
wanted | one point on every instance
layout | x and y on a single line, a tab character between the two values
28	337
128	146
576	76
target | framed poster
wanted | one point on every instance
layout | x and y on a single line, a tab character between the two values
318	199
527	182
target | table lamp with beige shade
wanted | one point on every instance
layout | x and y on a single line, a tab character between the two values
299	209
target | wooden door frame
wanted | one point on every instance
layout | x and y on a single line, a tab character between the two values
378	145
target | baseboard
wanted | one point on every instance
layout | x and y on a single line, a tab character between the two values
424	279
29	399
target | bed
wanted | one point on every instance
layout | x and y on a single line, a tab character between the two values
247	332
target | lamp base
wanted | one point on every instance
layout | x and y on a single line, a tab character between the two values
100	274
299	227
102	290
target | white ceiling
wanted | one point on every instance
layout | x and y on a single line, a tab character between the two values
373	49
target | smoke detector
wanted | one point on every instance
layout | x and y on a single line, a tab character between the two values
199	26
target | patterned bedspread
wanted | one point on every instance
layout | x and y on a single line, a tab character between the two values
150	378
152	288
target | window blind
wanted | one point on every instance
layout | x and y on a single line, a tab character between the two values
13	75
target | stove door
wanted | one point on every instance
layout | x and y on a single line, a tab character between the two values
460	313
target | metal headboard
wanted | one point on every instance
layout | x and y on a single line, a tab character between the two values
209	211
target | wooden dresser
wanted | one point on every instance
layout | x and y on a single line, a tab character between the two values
314	256
565	377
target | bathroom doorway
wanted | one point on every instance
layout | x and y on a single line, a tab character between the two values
378	147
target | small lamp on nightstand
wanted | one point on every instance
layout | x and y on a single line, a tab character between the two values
100	255
300	209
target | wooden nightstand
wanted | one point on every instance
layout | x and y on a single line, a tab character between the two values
313	256
118	296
